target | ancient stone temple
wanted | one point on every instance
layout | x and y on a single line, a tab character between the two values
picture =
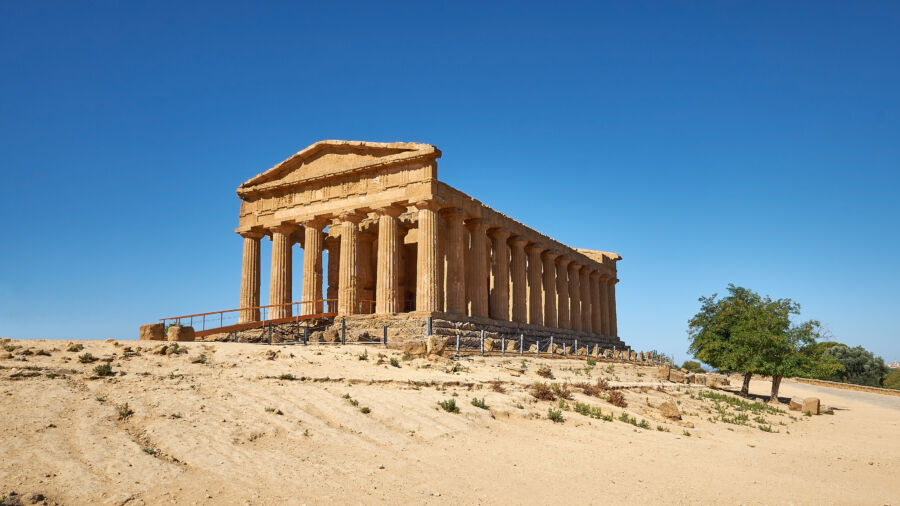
401	244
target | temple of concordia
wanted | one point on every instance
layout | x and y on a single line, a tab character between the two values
403	246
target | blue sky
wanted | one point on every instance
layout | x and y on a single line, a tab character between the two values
746	142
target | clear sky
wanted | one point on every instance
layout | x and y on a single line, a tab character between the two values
755	143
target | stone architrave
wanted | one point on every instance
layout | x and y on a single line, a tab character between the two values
477	274
562	292
428	259
456	246
549	282
250	277
280	274
387	283
575	296
348	280
499	306
586	308
535	288
314	242
518	274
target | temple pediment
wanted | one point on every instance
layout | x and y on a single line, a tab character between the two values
330	158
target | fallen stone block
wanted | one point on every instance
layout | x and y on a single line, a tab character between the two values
435	345
180	333
153	332
796	404
415	347
811	406
670	410
488	344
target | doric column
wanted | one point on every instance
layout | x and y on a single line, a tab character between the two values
574	296
456	246
348	281
387	283
499	307
586	307
477	274
314	241
517	271
535	301
562	293
280	274
604	305
596	311
250	277
613	324
549	273
428	262
333	245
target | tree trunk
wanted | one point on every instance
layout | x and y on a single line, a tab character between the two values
745	389
776	382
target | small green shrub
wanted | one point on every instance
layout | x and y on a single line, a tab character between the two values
449	406
479	403
591	362
124	411
395	362
287	377
103	370
561	390
692	366
364	355
86	358
686	433
892	380
365	410
555	415
72	348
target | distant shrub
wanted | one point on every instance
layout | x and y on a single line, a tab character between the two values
542	391
692	366
86	358
555	415
479	403
892	380
395	362
103	370
449	406
616	398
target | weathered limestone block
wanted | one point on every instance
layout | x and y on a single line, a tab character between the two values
435	345
676	376
415	346
567	350
488	344
532	348
811	406
180	333
669	410
512	345
331	336
582	351
153	332
796	404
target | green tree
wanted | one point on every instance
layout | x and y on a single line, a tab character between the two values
692	366
750	334
861	366
892	380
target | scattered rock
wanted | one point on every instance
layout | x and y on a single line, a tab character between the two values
488	344
197	359
270	354
811	406
415	347
180	333
670	410
331	336
153	332
6	355
795	404
512	345
161	349
676	376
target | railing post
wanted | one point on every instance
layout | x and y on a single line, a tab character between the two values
551	346
482	342
343	331
270	334
614	353
565	351
521	344
576	349
428	327
457	345
537	348
306	335
384	335
503	346
220	320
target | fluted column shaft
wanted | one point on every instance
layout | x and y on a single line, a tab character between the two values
428	262
280	273
387	284
313	243
613	324
250	277
574	296
562	293
596	311
456	261
550	319
535	301
499	307
519	290
604	305
586	308
348	281
477	274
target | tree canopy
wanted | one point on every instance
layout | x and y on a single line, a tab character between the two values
751	334
860	366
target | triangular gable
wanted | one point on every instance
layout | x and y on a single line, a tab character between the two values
328	158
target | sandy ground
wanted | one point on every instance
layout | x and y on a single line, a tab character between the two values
233	430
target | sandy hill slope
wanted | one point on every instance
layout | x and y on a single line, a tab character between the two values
229	423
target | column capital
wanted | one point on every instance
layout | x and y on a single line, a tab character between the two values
518	241
475	224
563	261
252	234
596	274
453	214
534	247
392	210
351	216
429	204
317	223
498	233
286	228
549	255
575	267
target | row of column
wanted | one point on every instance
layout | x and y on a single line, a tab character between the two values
488	273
